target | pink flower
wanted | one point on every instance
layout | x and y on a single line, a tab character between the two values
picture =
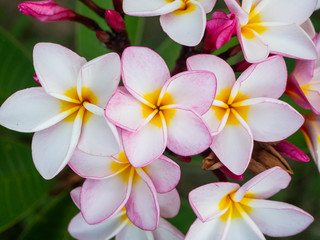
46	11
246	109
68	110
121	227
112	183
228	211
156	111
304	82
271	26
219	30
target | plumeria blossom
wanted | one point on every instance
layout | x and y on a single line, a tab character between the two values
311	132
122	228
272	26
227	211
246	109
156	111
112	183
183	20
68	110
304	82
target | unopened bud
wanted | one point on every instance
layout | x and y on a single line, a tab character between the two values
103	36
115	21
46	11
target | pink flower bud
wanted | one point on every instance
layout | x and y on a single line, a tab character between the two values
115	21
219	30
46	11
289	150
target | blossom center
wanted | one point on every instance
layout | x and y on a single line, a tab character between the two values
253	26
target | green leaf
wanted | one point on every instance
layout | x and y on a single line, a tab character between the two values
87	44
169	51
135	27
52	222
21	186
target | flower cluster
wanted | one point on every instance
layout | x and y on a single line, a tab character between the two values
116	134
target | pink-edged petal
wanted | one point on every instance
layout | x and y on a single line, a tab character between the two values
75	196
185	27
130	231
53	147
288	11
127	112
289	40
94	167
303	71
101	76
214	118
271	120
164	173
226	146
277	219
187	132
98	136
308	27
144	73
166	231
264	79
142	206
169	203
235	8
192	89
313	97
146	8
221	69
57	67
101	199
265	184
205	200
147	144
289	150
81	230
210	230
254	49
32	110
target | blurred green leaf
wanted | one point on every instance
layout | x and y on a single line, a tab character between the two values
169	51
52	222
135	27
87	44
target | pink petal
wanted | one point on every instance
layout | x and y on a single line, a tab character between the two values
303	71
185	27
235	8
144	73
57	67
277	219
53	147
101	75
205	200
169	203
271	120
167	231
146	145
75	196
265	184
289	150
192	89
142	206
164	173
32	110
101	199
187	132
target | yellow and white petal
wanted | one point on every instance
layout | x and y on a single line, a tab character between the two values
235	8
57	68
185	26
216	118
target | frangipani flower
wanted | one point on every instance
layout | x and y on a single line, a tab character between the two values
183	20
246	109
156	111
311	132
227	211
68	110
112	183
121	227
272	26
304	82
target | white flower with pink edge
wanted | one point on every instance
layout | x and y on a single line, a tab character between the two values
227	211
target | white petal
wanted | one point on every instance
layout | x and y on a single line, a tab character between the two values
169	203
207	5
210	230
167	231
240	13
134	233
146	8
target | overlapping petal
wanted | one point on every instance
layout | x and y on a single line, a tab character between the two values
166	231
169	203
209	230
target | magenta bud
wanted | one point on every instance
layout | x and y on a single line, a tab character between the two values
230	174
46	11
289	150
219	30
115	21
35	77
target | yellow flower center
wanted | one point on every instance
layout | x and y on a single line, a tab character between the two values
185	7
253	25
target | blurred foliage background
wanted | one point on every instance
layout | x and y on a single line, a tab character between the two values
33	208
